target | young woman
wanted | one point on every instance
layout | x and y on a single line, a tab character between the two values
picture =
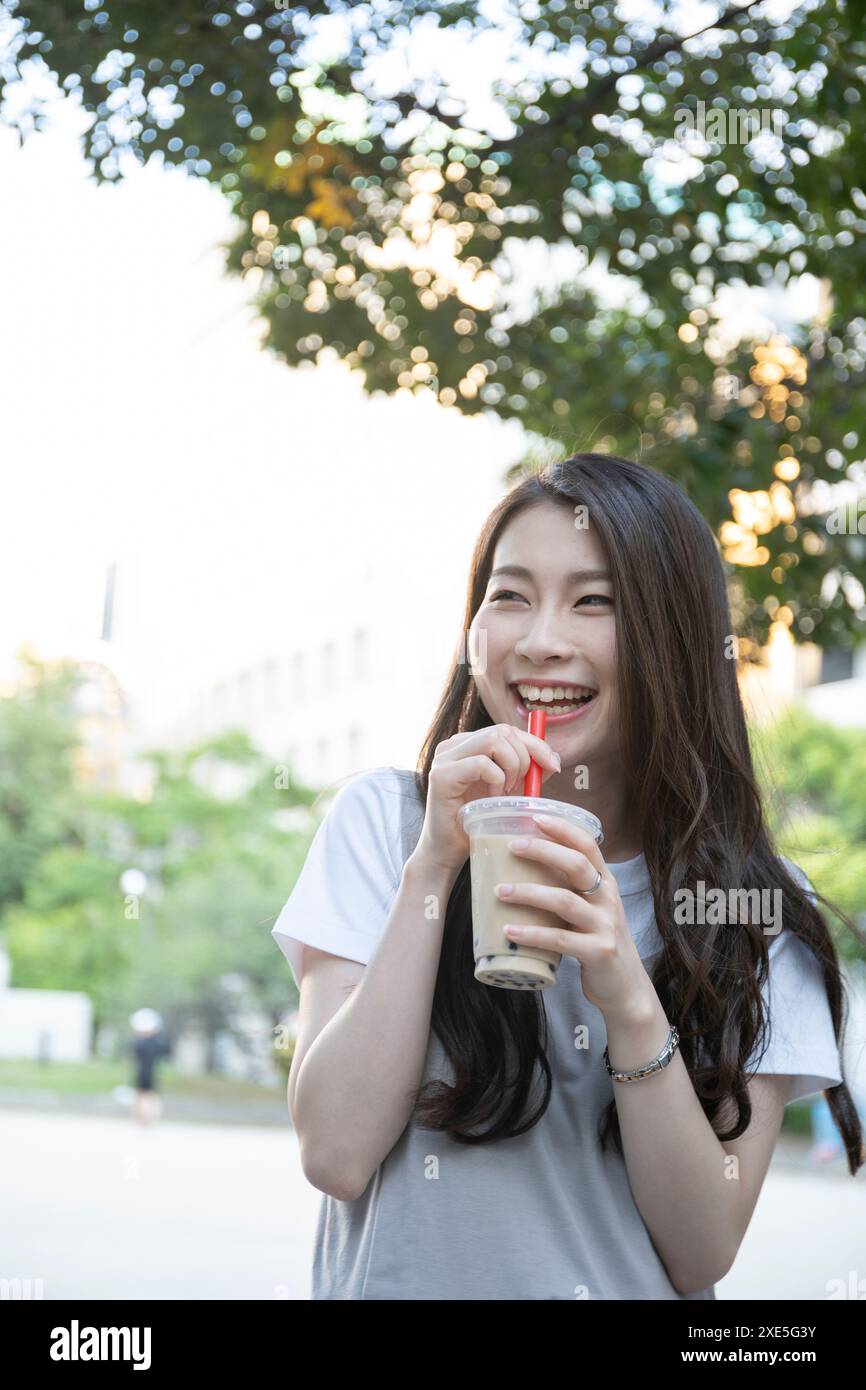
480	1143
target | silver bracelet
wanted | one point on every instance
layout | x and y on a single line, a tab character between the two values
657	1064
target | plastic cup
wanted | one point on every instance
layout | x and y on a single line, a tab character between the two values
489	824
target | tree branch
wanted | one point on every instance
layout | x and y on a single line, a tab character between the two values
408	104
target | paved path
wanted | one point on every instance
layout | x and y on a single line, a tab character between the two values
808	1229
97	1208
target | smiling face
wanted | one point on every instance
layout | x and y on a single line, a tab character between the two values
554	628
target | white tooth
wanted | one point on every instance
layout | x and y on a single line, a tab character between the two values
544	695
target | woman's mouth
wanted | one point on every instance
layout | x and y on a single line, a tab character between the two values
561	703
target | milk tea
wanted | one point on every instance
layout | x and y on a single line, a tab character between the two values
490	824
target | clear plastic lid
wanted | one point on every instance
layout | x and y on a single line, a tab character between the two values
497	807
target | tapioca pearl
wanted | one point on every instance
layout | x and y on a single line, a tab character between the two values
512	945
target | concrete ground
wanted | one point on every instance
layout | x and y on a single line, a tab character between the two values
806	1239
97	1208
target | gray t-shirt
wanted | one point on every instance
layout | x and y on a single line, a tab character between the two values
546	1215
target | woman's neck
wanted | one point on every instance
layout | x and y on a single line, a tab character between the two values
611	804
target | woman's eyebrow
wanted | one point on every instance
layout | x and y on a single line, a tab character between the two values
576	577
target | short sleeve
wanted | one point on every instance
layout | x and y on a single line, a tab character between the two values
343	894
800	1029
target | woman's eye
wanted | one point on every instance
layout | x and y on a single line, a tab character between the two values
509	593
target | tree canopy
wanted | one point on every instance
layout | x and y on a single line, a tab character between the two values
659	159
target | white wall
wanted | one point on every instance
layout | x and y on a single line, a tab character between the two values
51	1021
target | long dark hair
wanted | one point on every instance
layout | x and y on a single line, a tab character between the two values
685	749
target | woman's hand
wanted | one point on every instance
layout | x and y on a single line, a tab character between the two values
594	929
492	761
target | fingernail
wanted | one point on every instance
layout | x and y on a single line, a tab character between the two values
517	844
503	889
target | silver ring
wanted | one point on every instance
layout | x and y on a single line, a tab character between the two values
594	889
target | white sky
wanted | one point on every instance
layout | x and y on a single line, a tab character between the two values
143	422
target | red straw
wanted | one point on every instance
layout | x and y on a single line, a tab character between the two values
532	780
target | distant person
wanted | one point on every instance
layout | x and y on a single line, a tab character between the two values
826	1143
148	1046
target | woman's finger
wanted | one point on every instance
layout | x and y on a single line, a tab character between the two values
561	902
566	832
578	871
